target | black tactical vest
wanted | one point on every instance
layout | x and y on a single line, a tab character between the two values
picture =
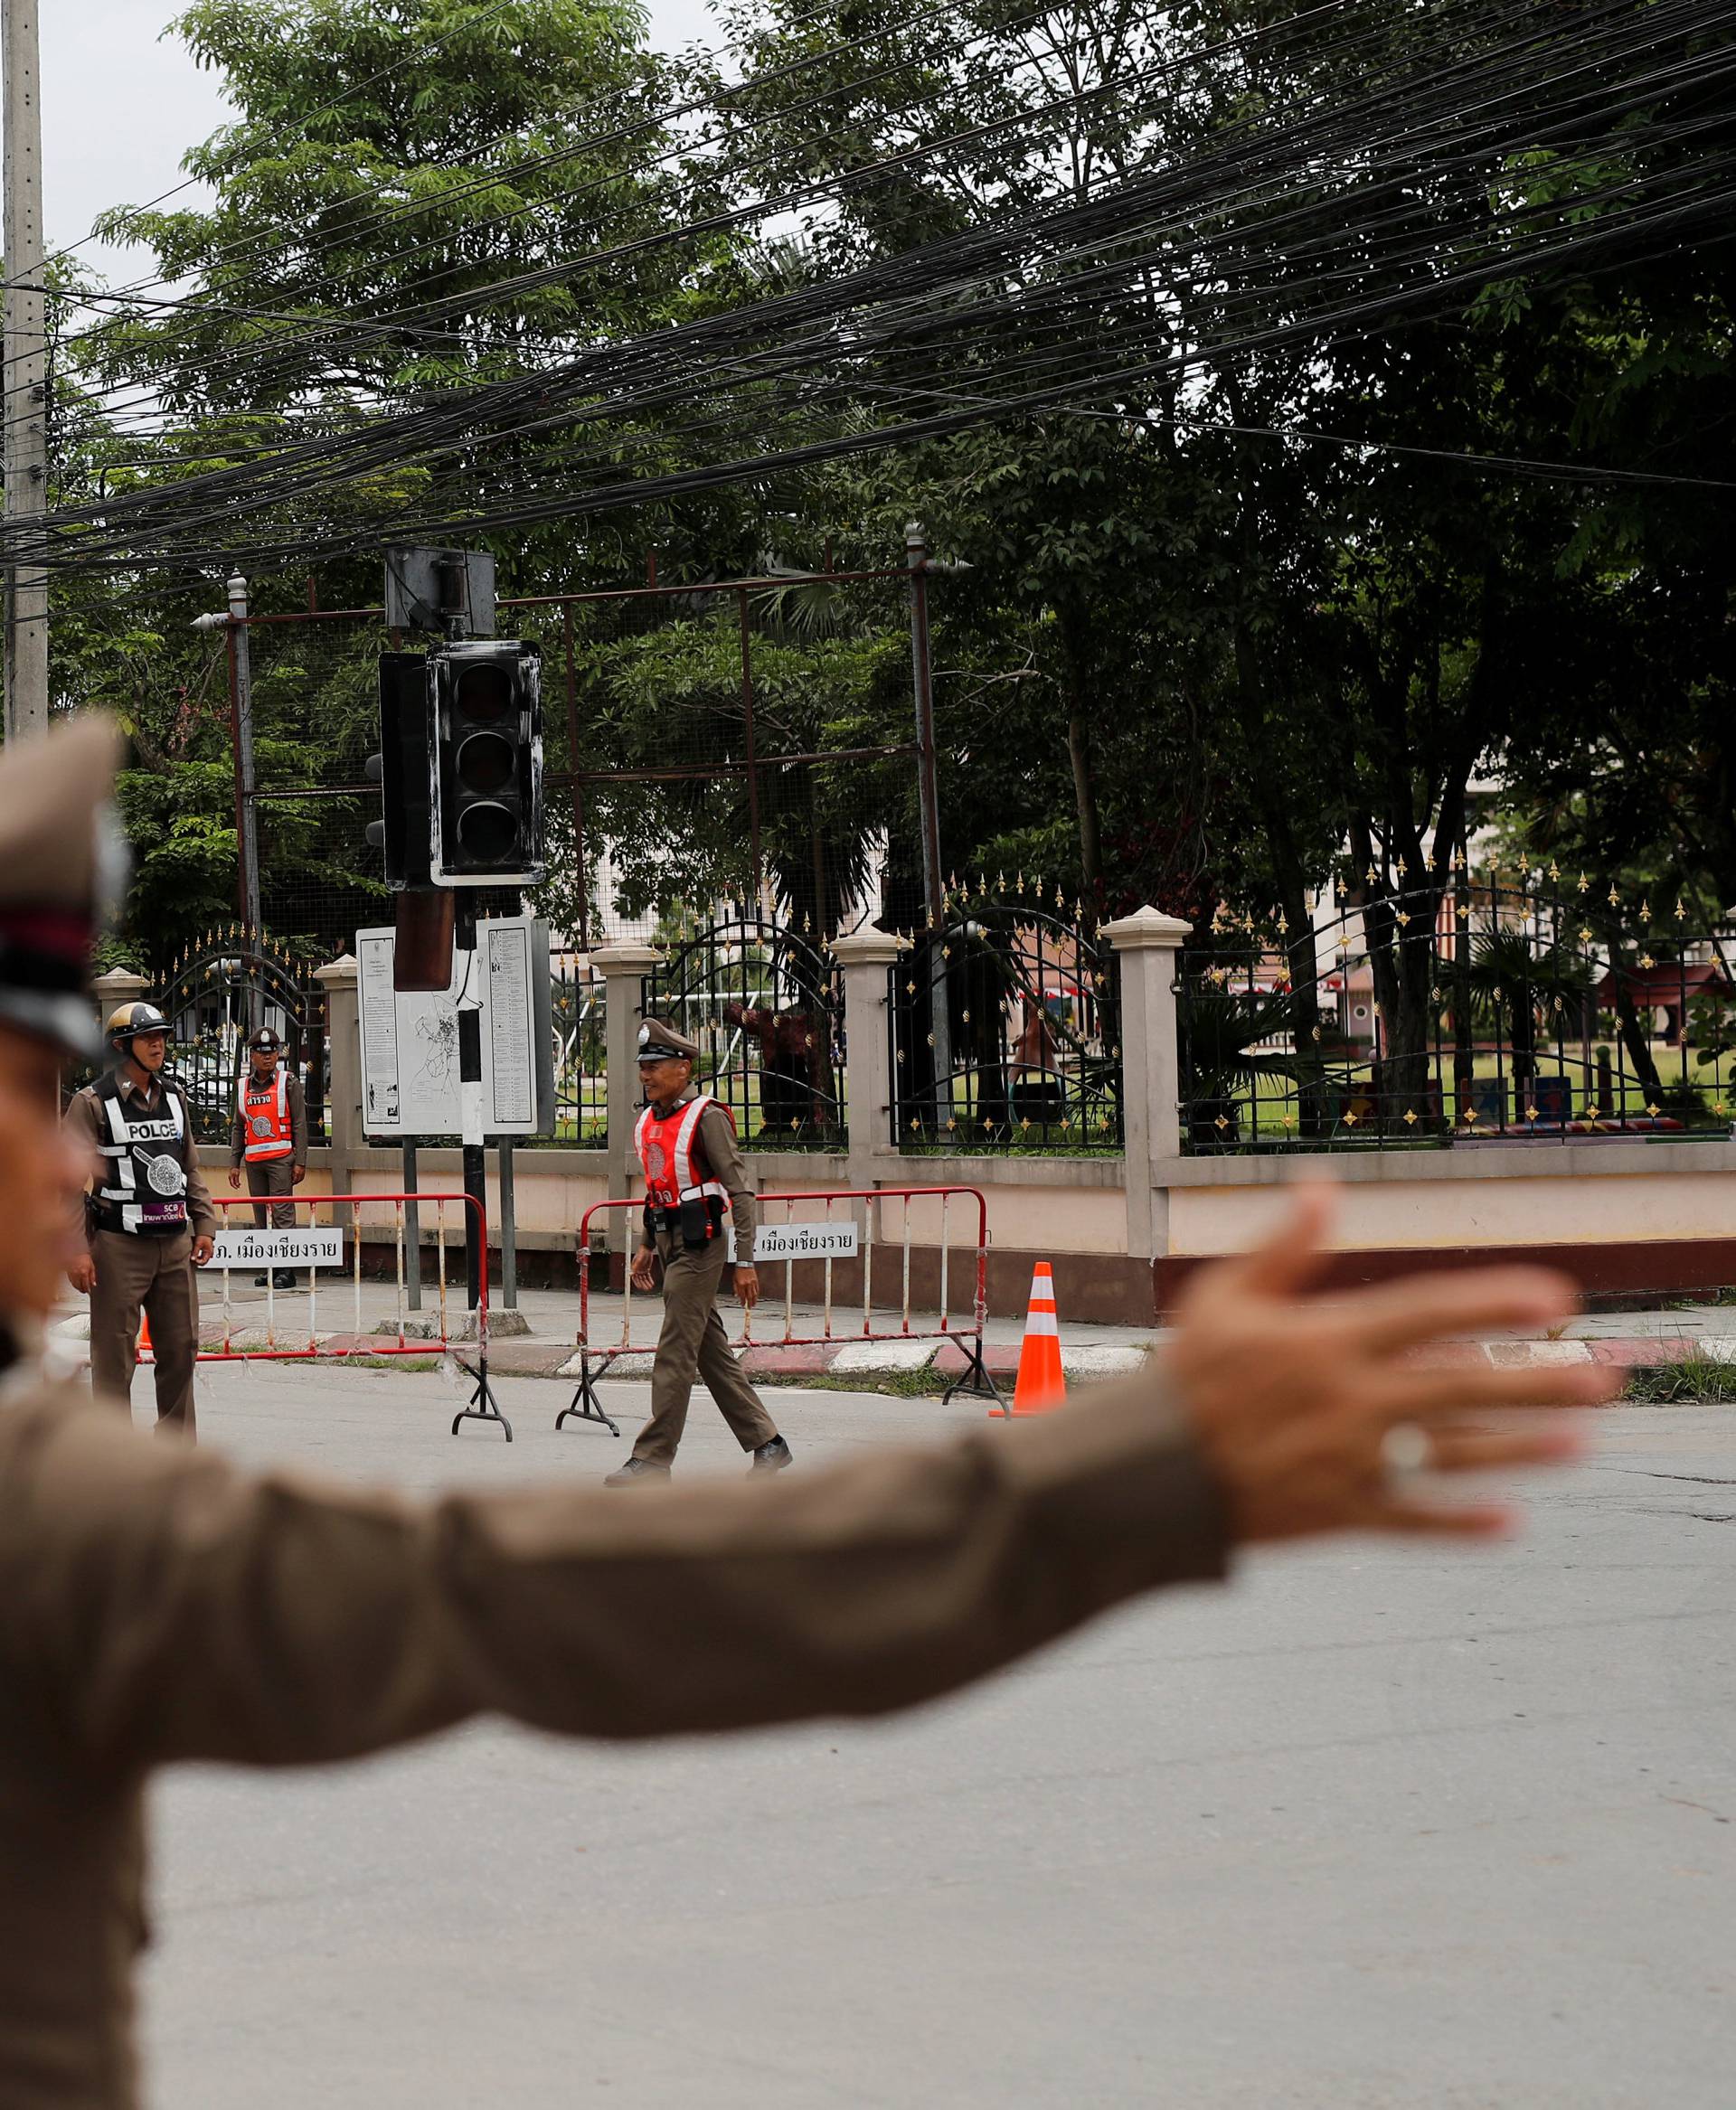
143	1190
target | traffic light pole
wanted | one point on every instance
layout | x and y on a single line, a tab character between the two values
483	1406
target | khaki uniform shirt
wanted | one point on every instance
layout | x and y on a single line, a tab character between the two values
157	1604
296	1099
85	1117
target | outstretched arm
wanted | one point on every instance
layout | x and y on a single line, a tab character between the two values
167	1605
160	1604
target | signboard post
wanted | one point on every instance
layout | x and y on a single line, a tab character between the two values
471	1060
410	1039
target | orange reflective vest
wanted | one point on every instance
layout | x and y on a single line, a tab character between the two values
265	1117
675	1168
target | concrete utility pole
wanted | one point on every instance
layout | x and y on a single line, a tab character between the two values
26	421
247	781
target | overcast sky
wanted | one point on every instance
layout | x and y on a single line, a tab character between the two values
121	104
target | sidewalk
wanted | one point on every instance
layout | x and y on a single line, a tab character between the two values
348	1322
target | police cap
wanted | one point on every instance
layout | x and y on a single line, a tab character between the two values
658	1041
266	1042
60	856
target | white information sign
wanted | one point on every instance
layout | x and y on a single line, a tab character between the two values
321	1245
507	953
802	1241
409	1040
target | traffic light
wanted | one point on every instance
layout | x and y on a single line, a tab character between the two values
401	769
487	763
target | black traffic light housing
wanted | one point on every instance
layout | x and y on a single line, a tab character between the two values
402	770
485	707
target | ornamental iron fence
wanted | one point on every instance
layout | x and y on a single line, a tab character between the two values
579	1010
219	992
1452	1013
765	1002
1006	1027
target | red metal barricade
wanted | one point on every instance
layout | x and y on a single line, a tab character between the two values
868	1203
292	1341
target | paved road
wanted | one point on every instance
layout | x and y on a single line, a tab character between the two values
1366	1832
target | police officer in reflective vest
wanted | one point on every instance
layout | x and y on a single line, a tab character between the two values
269	1134
149	1219
693	1177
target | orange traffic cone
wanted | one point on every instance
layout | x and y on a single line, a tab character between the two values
1040	1386
142	1346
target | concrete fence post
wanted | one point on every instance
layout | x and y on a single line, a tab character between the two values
119	986
1146	946
340	979
866	958
624	967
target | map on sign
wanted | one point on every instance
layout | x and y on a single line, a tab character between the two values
409	1040
322	1246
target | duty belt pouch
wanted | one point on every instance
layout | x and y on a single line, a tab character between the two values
696	1224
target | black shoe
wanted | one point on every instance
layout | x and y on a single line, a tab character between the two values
772	1457
635	1469
282	1280
258	1282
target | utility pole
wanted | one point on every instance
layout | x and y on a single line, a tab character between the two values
232	622
25	398
247	781
934	885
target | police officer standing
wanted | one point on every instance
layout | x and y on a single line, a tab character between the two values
694	1173
269	1134
149	1219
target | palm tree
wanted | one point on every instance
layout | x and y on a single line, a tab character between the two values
1515	977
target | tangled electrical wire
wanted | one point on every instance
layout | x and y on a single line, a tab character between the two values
1417	157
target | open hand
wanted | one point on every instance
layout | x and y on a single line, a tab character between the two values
747	1286
1293	1398
645	1268
235	1177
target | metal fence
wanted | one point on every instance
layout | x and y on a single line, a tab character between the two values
1006	1027
1454	1012
578	1008
842	1265
766	1004
214	996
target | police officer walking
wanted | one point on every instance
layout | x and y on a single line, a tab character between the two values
694	1173
149	1219
269	1134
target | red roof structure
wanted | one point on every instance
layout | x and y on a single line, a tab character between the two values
1668	983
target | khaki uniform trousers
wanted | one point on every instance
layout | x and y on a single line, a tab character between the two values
693	1345
157	1274
272	1175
